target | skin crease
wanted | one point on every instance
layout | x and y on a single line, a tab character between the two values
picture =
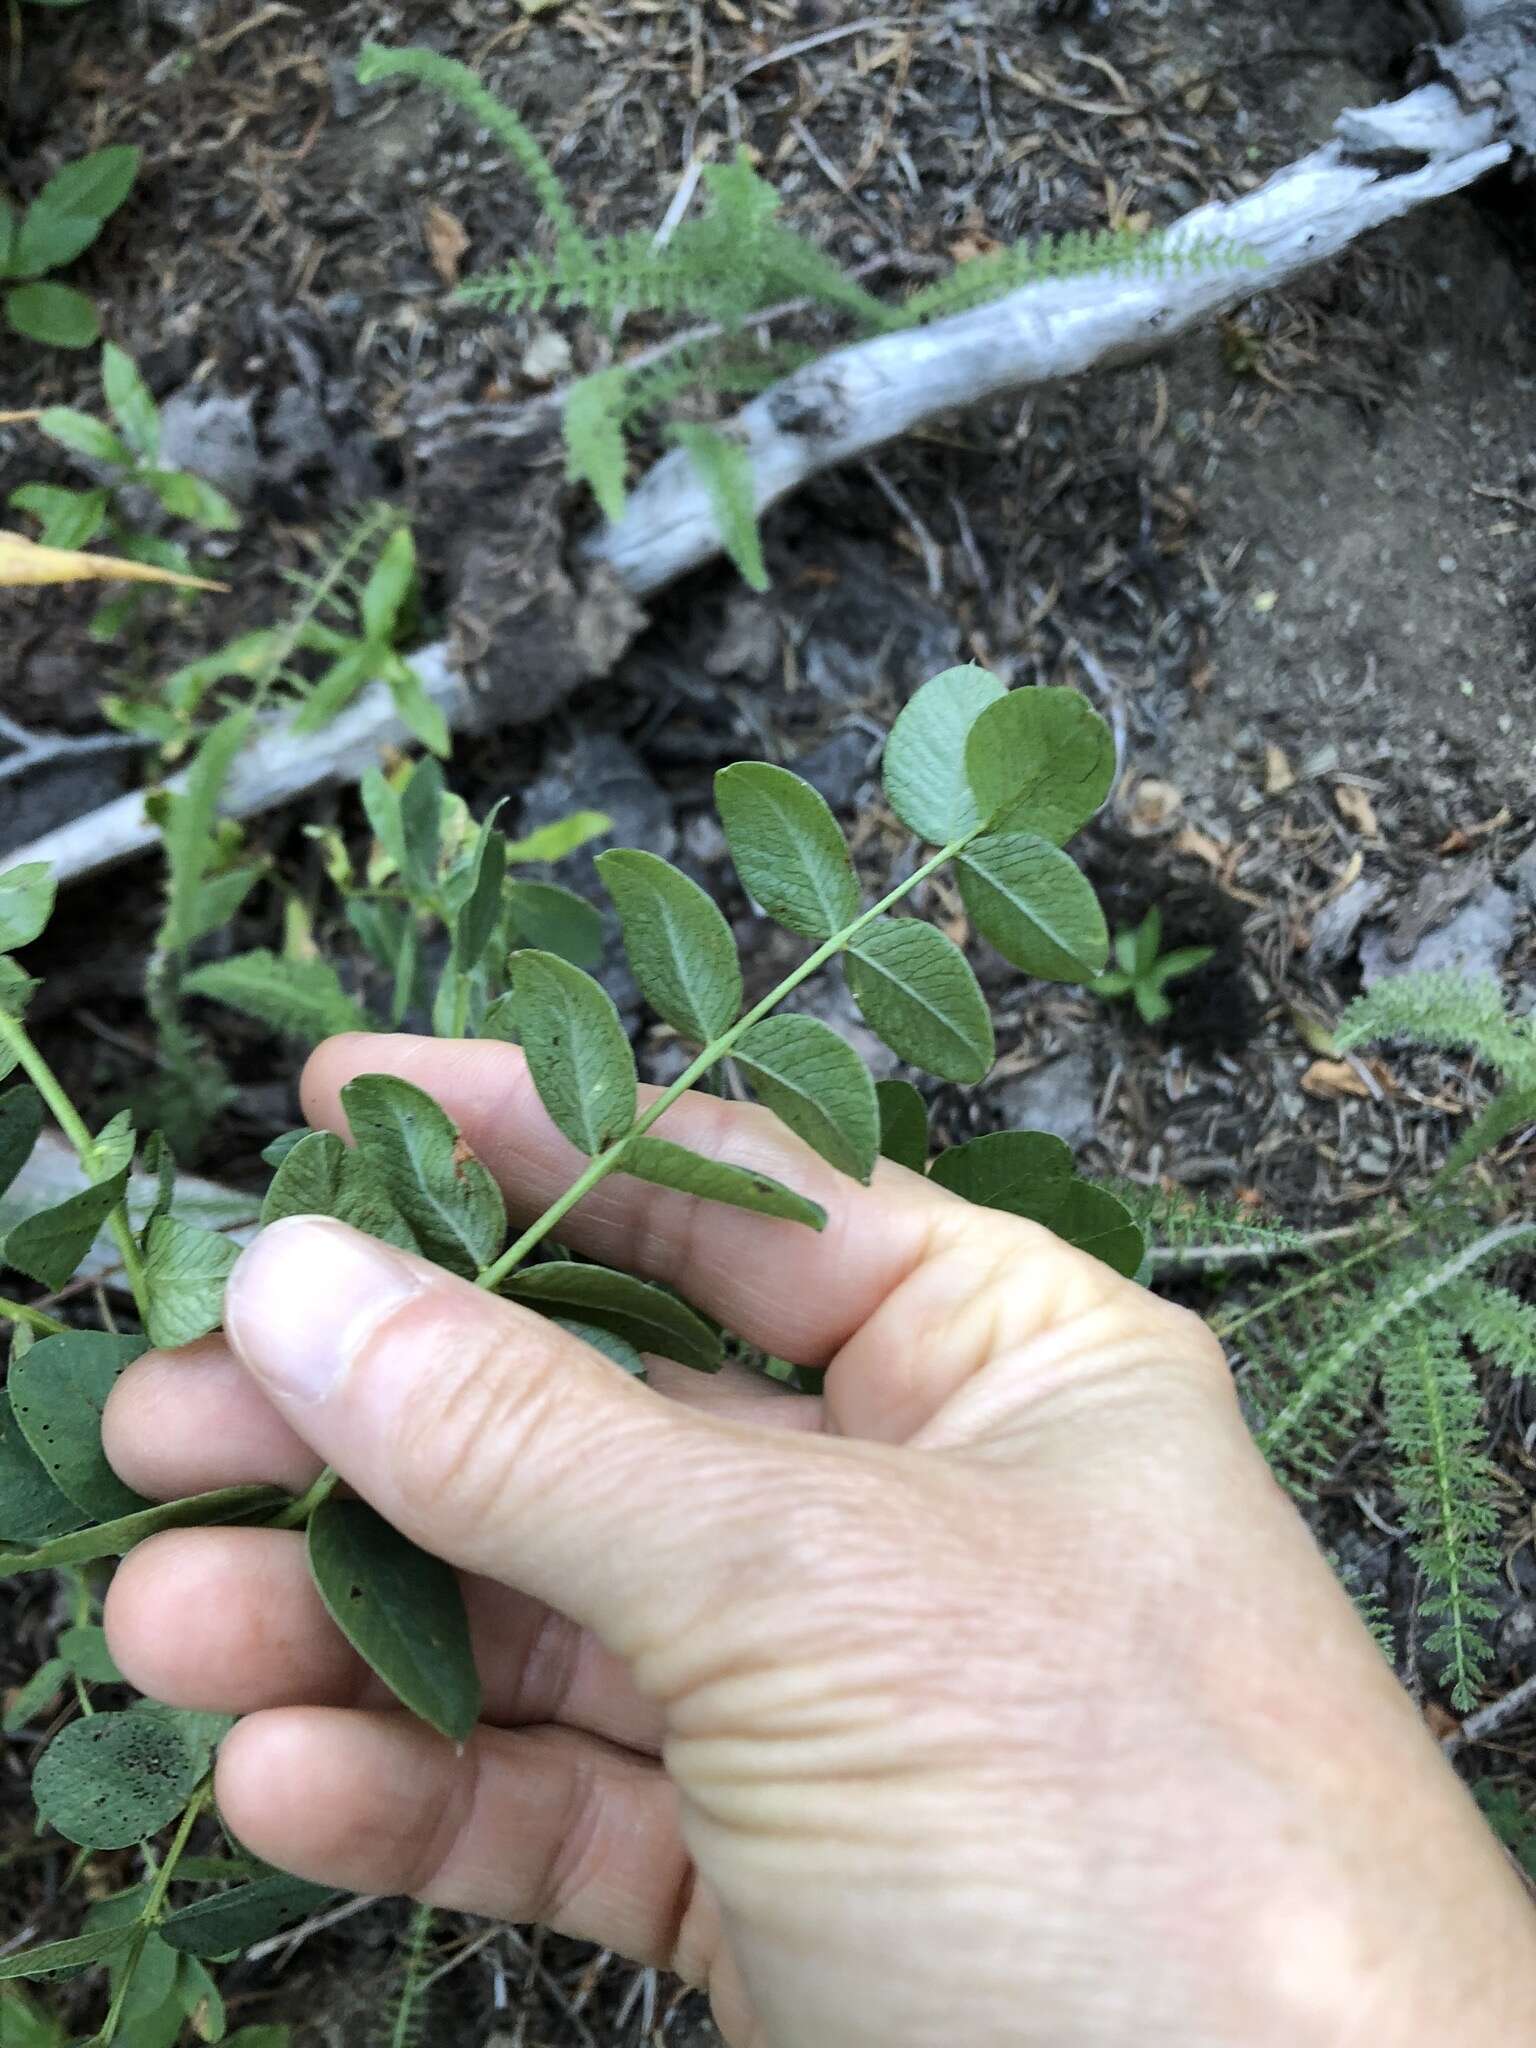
997	1697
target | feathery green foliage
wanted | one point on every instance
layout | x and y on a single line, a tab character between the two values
1401	1309
726	264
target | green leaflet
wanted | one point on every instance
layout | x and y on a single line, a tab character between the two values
401	1610
319	1176
128	396
476	921
185	1269
788	848
94	186
577	1050
645	1316
301	997
1040	760
551	919
21	1123
925	773
903	1124
712	1180
1029	900
917	992
187	828
564	836
622	1353
594	437
815	1082
678	942
26	903
114	1779
1031	1174
84	1650
449	1201
55	314
32	1508
58	1391
247	1913
33	1699
229	1504
389	584
65	1958
421	826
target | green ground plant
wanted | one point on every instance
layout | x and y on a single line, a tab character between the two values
992	781
723	267
59	225
123	460
1142	971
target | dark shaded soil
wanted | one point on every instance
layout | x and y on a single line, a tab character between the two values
1292	562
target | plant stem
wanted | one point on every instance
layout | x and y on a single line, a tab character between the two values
612	1160
1228	1326
15	1038
33	1318
298	1512
151	1913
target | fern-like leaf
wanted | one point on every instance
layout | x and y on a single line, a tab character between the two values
408	2022
1498	1324
1079	254
1446	1489
726	469
594	438
1196	1231
458	83
1452	1012
1510	1110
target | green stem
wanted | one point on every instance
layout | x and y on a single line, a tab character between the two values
18	1312
298	1512
1227	1326
152	1907
14	1037
612	1160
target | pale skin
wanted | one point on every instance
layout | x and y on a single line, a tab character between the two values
996	1697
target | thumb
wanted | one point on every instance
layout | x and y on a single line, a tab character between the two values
492	1437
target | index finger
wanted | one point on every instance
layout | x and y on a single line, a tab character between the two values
797	1293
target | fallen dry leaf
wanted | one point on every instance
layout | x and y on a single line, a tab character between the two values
1153	806
1329	1079
446	241
1356	809
18	419
1463	836
1201	846
23	561
1279	776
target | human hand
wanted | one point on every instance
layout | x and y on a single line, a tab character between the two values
995	1696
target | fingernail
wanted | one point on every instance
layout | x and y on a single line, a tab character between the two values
303	1300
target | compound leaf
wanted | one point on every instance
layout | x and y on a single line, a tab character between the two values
645	1316
1040	760
725	469
1032	902
114	1779
713	1180
448	1199
678	942
401	1610
577	1050
815	1082
917	992
925	775
788	848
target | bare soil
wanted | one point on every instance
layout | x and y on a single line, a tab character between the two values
1292	561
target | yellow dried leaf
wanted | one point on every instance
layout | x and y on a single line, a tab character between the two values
23	561
18	419
1356	809
1279	776
446	241
1329	1079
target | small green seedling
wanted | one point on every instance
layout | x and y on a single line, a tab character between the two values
124	460
60	224
1143	974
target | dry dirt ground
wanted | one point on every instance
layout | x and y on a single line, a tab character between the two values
1292	561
